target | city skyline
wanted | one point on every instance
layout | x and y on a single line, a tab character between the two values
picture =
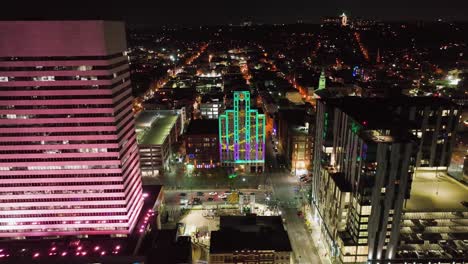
320	137
216	13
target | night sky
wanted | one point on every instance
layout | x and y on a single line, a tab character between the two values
211	12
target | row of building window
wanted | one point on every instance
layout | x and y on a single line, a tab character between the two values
62	214
43	184
63	222
60	151
57	97
71	230
69	206
66	68
60	176
32	116
46	107
66	167
64	58
81	124
65	142
52	134
87	191
68	87
59	159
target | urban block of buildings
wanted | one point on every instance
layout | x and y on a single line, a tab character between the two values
250	239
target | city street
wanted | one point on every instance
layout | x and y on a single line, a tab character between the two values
286	193
284	187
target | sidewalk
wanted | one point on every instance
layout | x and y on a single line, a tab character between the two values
316	238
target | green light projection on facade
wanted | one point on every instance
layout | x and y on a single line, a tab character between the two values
242	133
355	127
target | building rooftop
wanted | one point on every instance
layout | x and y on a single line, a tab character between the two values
249	233
61	38
167	248
382	112
433	191
159	129
293	116
203	126
367	111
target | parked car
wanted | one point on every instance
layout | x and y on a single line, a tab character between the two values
196	201
213	193
210	199
200	193
183	194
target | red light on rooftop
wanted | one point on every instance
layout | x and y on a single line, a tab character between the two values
364	122
36	255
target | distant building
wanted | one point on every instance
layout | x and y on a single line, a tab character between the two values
156	132
434	122
250	239
212	106
67	130
242	135
201	143
344	20
295	139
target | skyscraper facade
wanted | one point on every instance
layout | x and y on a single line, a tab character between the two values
69	161
362	171
242	135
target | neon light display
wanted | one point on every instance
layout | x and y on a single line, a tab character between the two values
242	133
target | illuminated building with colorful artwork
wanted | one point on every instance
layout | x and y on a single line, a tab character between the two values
242	136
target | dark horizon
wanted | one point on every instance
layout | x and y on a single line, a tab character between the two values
224	13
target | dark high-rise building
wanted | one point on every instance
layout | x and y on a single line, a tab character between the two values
69	161
362	169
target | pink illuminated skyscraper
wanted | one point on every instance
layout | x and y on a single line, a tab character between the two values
69	162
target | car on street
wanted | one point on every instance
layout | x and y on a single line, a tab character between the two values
222	196
213	193
183	194
196	201
210	199
183	201
200	193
